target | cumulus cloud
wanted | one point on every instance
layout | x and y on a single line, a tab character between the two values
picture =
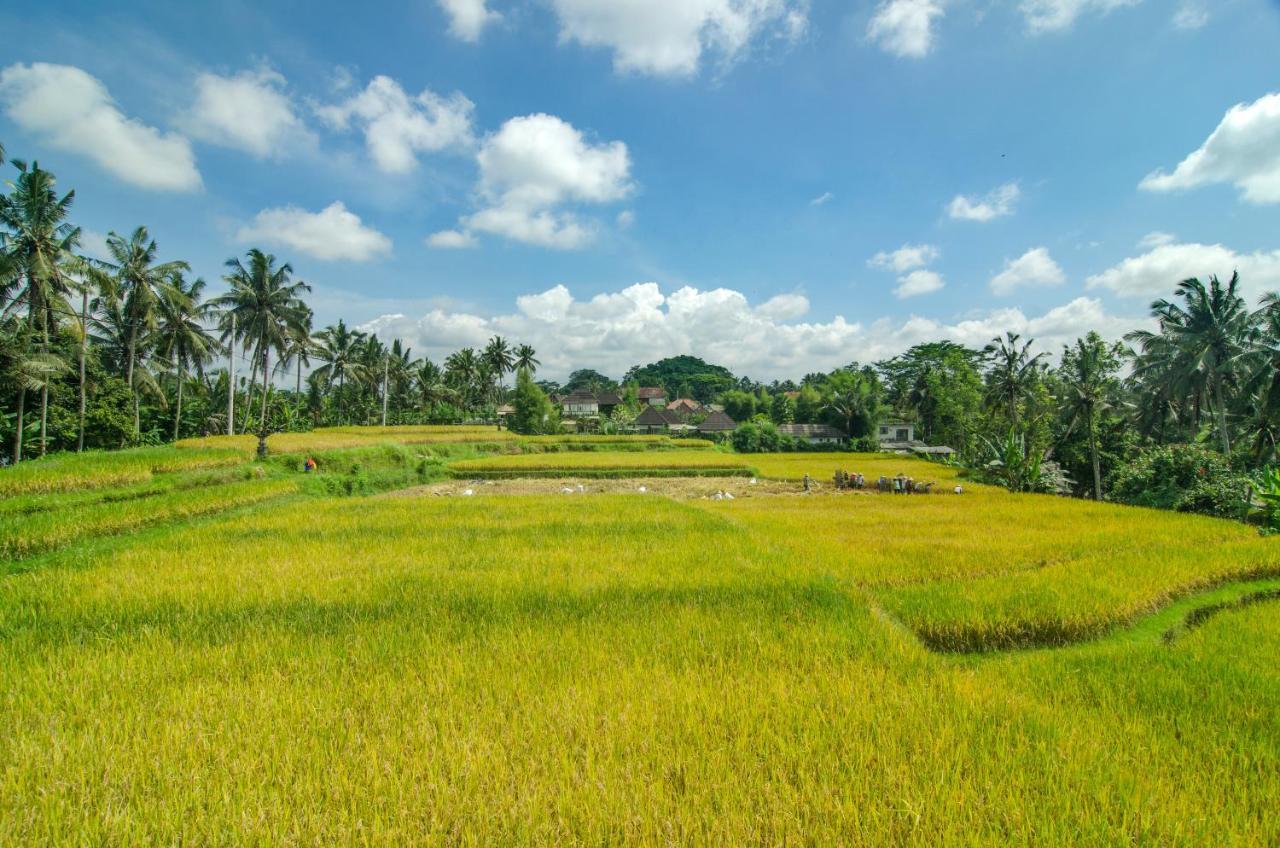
468	18
670	37
905	258
451	240
332	233
1053	15
70	110
1190	15
534	170
1155	273
1033	269
1244	150
615	330
917	283
905	27
996	203
249	111
398	127
1156	238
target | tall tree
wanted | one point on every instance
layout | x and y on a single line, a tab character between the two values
268	307
1200	342
38	243
1088	372
338	347
1013	372
527	358
853	397
140	283
498	356
181	337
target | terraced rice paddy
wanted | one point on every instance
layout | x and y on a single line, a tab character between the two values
606	464
546	669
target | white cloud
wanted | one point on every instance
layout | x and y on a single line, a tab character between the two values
994	204
905	27
249	111
332	233
905	258
615	330
1155	273
822	199
1190	15
917	283
626	218
534	167
1052	15
93	244
1156	239
669	37
468	18
451	240
1033	269
1244	150
397	127
73	111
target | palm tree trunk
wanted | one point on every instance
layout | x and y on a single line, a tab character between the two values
1222	416
177	415
44	390
1093	458
84	352
266	386
297	388
128	378
248	401
17	435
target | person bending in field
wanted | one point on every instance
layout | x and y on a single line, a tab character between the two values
309	466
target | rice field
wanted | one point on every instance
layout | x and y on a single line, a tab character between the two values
96	469
344	438
531	669
605	464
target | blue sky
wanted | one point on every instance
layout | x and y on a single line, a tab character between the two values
778	185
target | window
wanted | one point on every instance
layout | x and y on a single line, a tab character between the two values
904	434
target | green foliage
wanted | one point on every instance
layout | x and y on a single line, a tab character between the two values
534	413
684	376
1186	478
1266	491
758	437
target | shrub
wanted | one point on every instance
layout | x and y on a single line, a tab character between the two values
1186	478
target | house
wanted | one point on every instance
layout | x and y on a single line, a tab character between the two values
684	407
608	402
814	434
580	404
651	395
917	448
655	420
896	431
716	423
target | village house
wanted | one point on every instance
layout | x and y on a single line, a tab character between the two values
579	404
900	437
813	434
654	420
652	395
685	407
717	423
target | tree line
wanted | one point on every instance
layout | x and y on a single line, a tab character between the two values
126	349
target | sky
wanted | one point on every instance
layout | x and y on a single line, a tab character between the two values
779	186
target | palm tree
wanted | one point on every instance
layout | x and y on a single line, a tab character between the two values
140	284
338	347
1088	371
498	356
400	370
462	372
23	369
1262	386
299	349
1201	341
431	385
38	244
268	310
1013	373
181	337
853	397
526	358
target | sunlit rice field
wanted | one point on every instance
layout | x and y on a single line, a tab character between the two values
605	464
834	669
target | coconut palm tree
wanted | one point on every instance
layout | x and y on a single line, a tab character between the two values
498	355
181	337
526	358
1201	342
338	348
24	370
37	242
1088	370
299	350
268	310
1014	372
140	283
462	373
853	396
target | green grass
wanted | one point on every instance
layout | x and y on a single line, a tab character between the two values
636	670
95	469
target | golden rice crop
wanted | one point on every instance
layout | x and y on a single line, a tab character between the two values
821	467
24	534
317	441
93	469
598	670
603	463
